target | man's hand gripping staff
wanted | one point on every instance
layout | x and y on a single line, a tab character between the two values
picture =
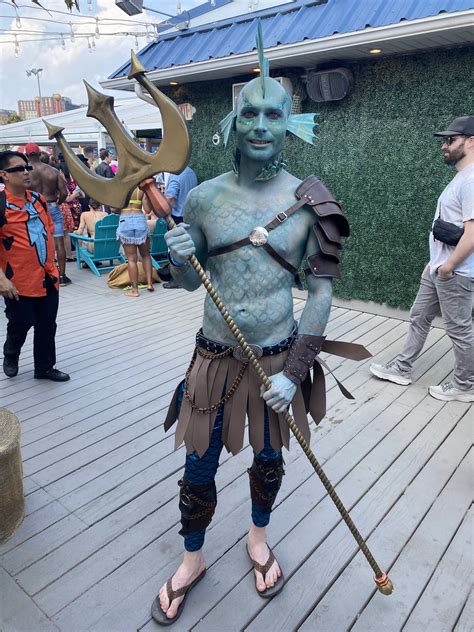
116	193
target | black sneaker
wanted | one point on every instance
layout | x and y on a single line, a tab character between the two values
52	374
10	366
64	280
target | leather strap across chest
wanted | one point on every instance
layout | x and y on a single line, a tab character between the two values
274	223
330	226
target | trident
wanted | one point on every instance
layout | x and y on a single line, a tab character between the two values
135	167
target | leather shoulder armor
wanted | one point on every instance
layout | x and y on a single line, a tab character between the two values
330	226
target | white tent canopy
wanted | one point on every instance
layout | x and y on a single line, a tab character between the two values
80	129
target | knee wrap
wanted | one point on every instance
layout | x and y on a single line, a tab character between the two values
197	504
265	481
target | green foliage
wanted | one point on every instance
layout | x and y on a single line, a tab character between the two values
377	154
14	118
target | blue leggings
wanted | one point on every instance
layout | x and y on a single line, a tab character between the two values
202	471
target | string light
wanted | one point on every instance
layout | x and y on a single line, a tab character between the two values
93	42
89	45
97	32
17	47
63	43
178	7
18	21
136	42
89	5
72	31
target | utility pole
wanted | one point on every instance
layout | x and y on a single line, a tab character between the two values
36	71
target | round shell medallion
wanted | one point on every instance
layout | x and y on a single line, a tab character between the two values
258	236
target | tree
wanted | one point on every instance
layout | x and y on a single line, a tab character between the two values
14	118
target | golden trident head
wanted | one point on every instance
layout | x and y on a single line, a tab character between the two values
134	163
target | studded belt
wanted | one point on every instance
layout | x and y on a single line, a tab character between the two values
216	347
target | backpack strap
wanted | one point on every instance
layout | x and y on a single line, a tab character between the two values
37	198
3	206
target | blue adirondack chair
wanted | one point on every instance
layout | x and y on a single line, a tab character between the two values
106	245
158	247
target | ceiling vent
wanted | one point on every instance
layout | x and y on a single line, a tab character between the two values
329	85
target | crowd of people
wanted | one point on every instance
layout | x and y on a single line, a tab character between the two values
41	205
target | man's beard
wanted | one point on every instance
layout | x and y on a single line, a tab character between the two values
455	156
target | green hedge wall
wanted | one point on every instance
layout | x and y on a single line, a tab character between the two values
376	153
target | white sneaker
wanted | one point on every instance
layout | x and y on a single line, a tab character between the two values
447	392
391	373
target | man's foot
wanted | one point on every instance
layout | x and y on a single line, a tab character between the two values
52	374
171	285
448	392
10	366
191	569
391	373
150	288
64	280
269	579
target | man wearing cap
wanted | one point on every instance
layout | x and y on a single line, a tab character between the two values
447	282
28	275
51	184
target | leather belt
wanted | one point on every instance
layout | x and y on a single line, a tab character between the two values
216	347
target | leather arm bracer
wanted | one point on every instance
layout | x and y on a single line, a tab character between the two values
301	357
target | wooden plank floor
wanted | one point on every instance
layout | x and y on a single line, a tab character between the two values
100	532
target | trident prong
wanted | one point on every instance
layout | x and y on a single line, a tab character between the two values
134	163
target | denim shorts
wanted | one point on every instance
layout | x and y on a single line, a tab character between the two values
132	229
57	218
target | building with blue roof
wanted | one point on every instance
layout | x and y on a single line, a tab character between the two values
407	70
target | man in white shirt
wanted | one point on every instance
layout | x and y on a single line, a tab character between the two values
447	283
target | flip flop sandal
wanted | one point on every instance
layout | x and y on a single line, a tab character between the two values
156	611
268	593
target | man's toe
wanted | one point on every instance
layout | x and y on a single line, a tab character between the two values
260	583
172	610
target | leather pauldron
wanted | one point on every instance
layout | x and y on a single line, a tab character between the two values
331	225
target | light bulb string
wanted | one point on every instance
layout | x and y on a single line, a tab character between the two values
60	37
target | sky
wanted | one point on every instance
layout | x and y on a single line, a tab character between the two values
64	69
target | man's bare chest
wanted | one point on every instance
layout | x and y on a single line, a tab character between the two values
231	221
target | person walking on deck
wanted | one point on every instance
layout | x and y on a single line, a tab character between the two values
447	282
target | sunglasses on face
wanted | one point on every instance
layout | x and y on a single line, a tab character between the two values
449	140
19	169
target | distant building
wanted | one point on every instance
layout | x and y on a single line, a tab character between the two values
30	109
4	114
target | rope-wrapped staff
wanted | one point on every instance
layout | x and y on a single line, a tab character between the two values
135	167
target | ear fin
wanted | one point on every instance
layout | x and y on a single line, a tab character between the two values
303	126
226	126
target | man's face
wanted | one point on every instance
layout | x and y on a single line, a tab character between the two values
453	149
17	174
261	122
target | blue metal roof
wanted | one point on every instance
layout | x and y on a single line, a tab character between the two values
285	24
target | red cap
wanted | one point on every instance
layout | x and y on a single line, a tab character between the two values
32	148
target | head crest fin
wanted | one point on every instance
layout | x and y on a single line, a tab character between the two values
263	62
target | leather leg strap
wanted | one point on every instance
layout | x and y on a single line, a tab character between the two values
197	504
265	481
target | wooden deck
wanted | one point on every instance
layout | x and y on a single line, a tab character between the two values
100	532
